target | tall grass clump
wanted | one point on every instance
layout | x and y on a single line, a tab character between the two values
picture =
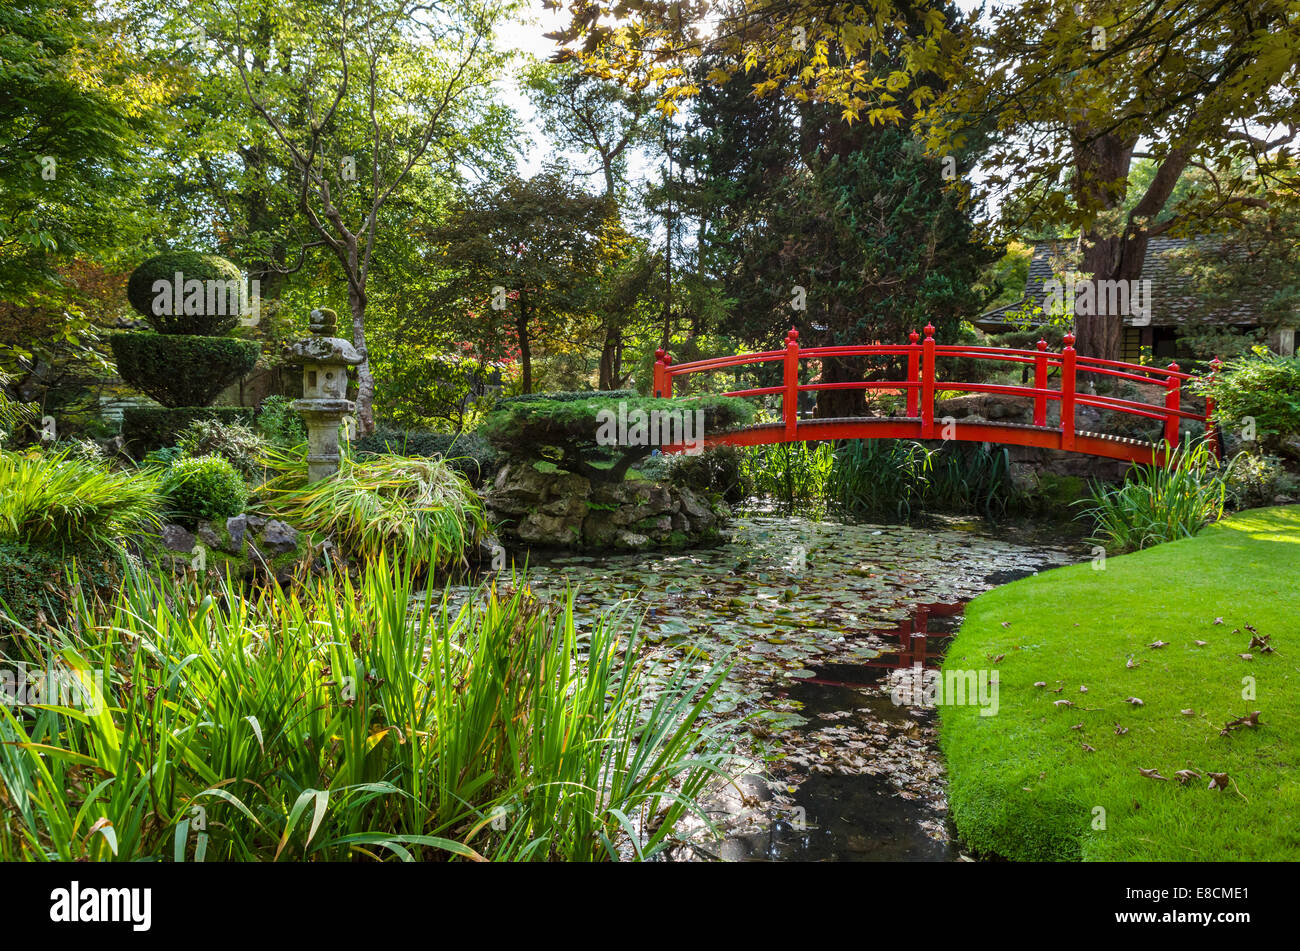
898	478
56	500
352	722
1157	503
794	474
414	509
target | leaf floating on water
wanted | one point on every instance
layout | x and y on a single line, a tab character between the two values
1152	774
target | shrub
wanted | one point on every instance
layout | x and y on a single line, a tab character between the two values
1158	503
1253	480
233	441
568	432
336	722
467	453
162	458
418	511
566	396
53	500
1263	389
182	371
192	265
280	423
145	428
31	584
205	487
719	470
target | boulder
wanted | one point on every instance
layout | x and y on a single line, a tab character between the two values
277	538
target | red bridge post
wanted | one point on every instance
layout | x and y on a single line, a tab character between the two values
1172	396
663	380
1067	393
927	383
790	409
1040	383
913	372
1211	436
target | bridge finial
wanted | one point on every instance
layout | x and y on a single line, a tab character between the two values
913	337
792	336
1069	341
1042	344
1215	364
929	329
659	355
668	358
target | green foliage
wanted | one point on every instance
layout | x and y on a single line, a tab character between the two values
718	470
280	423
162	458
1253	480
145	428
56	501
204	487
214	318
467	453
179	370
795	474
32	583
568	432
369	722
1157	504
233	441
565	396
413	510
1261	390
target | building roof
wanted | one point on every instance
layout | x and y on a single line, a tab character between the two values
1173	299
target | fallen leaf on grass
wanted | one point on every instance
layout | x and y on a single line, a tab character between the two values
1201	643
1219	781
1187	775
1088	748
1062	703
1152	774
1156	644
1135	701
1120	730
1189	712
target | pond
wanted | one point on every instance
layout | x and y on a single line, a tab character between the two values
819	620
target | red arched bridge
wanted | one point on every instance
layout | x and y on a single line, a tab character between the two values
922	356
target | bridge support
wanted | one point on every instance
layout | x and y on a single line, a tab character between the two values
1068	358
927	383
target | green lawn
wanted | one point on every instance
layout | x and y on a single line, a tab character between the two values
1023	786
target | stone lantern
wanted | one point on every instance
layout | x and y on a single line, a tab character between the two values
325	359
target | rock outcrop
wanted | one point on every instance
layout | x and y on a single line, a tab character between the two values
246	545
539	506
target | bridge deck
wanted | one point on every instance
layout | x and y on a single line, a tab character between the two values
909	427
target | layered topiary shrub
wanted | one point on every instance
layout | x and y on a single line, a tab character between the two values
145	428
182	371
205	307
203	488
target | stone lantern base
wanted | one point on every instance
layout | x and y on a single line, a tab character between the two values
323	418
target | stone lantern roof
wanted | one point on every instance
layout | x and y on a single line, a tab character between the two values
323	348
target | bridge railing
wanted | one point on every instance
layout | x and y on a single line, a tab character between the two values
921	384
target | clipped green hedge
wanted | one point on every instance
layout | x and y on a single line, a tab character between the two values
192	265
145	428
182	371
467	453
567	396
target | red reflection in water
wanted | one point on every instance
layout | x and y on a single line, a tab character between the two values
914	642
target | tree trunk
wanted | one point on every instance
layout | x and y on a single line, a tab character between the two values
365	379
609	358
839	403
